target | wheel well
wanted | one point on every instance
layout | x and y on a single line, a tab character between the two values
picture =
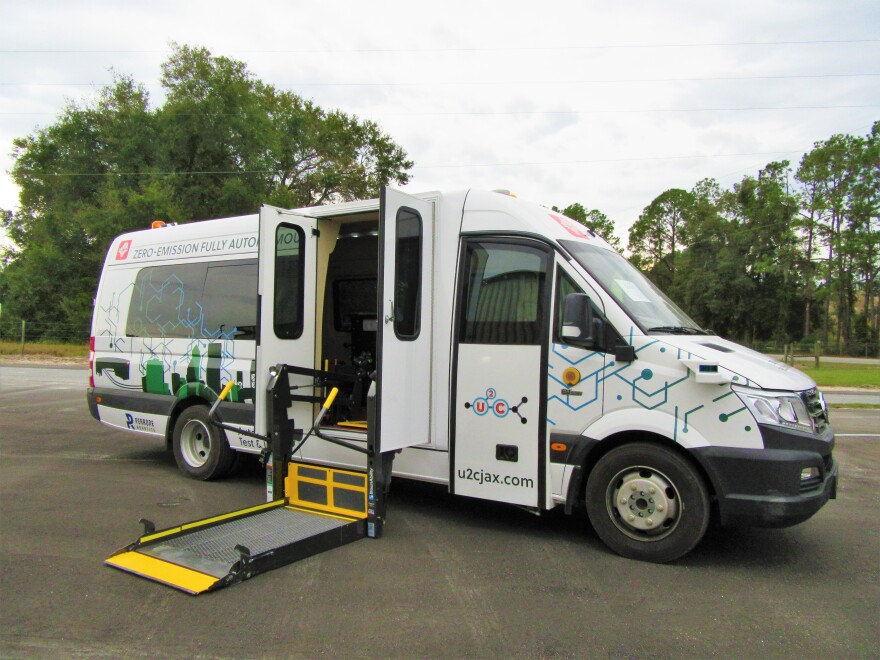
182	405
627	437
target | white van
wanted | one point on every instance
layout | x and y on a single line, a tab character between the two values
517	358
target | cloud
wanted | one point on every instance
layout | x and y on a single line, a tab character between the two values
561	102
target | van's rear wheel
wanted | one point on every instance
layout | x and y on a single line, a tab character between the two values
646	502
200	448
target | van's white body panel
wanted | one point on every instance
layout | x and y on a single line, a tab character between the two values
471	402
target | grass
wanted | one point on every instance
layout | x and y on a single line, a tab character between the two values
52	349
842	375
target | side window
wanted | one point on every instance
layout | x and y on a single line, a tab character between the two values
230	301
505	292
408	274
166	302
566	285
289	294
195	301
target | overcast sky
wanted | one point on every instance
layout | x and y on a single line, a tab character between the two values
603	103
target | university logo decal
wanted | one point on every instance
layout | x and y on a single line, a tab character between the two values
499	407
123	250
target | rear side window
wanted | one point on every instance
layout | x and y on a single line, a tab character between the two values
230	300
195	301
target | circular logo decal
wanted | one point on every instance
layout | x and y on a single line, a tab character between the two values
571	376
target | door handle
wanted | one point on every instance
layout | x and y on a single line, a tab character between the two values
390	317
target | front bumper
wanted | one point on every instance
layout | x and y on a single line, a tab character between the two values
763	487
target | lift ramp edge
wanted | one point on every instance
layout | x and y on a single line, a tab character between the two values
215	552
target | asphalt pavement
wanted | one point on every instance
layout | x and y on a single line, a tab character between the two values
452	577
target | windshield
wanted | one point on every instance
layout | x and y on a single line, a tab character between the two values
636	294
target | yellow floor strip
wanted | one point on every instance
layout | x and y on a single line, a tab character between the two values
179	577
354	425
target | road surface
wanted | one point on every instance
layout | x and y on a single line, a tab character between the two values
453	577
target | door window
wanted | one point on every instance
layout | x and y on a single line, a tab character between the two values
564	286
505	289
408	274
289	264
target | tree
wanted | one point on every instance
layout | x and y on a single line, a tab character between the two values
594	220
315	157
658	235
865	225
710	283
215	131
840	181
68	174
762	211
265	144
223	142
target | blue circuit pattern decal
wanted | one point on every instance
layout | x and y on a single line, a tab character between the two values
583	386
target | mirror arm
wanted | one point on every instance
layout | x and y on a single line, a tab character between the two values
624	353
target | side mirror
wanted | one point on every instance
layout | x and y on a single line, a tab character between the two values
577	320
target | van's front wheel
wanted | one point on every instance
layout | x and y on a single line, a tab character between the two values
647	502
200	448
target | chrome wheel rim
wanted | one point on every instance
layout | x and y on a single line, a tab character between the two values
644	503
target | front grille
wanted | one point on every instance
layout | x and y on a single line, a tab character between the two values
816	407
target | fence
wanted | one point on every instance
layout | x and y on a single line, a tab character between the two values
27	333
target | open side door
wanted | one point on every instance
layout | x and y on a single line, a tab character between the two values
321	508
406	231
287	292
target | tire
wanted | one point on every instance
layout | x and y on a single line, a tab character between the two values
200	448
648	503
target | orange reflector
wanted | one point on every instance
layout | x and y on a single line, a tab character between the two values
558	446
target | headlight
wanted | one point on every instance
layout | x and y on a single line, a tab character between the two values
778	408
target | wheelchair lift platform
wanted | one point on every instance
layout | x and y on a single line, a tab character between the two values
220	551
321	508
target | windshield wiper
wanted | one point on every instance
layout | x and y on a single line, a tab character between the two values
678	330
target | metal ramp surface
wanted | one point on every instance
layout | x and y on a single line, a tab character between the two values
326	509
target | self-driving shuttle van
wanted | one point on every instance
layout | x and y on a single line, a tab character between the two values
515	356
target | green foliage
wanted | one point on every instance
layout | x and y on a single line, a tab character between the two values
657	236
841	195
594	220
769	258
223	143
